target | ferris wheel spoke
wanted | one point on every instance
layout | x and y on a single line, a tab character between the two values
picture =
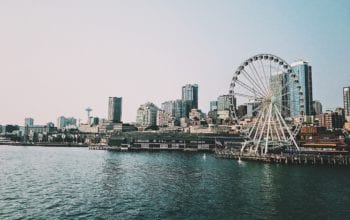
245	96
265	85
252	90
285	94
288	84
254	110
253	82
259	124
266	79
256	76
262	129
268	129
286	126
284	109
276	130
255	124
280	125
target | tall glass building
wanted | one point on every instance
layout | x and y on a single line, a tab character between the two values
190	93
224	102
115	109
213	105
28	122
169	107
317	105
303	72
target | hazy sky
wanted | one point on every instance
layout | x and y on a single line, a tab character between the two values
59	57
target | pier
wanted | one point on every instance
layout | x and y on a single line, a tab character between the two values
314	158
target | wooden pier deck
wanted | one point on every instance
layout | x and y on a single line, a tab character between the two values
288	158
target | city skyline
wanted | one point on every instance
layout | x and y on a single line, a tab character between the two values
57	65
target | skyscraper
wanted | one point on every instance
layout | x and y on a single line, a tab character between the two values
190	93
213	105
346	98
224	102
115	109
178	109
169	107
317	106
147	114
28	122
303	72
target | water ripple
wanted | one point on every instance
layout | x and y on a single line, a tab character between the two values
75	183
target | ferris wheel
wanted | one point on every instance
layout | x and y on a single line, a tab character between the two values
267	104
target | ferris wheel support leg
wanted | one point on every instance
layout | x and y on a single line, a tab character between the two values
261	134
255	124
244	145
276	130
268	128
281	127
258	126
289	132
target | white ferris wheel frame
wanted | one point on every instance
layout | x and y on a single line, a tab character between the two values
270	129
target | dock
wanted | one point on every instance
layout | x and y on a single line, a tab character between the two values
337	159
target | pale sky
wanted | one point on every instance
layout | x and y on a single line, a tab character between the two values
59	57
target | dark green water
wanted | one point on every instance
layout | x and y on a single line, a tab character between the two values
75	183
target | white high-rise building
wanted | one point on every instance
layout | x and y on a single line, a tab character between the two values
147	114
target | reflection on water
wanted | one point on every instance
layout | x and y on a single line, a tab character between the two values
70	183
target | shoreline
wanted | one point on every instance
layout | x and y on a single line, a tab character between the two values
44	144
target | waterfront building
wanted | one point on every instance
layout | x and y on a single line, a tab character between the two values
279	84
341	115
212	117
179	109
303	71
164	119
184	122
50	124
87	128
317	106
147	115
41	129
224	102
241	110
186	108
346	99
63	122
190	93
115	109
223	115
251	109
169	107
28	122
94	121
196	114
347	126
213	105
330	120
